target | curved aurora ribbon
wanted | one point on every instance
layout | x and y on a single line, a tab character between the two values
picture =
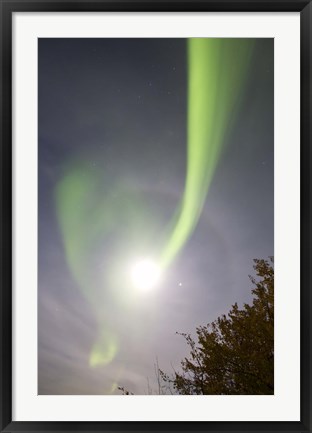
216	71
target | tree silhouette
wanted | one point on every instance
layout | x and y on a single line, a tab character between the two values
235	353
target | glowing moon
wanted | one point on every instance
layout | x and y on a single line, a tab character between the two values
145	274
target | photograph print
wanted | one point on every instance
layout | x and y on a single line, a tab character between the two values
155	216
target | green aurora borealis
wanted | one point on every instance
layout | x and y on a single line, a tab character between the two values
216	70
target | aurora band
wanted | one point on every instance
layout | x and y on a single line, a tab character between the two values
216	73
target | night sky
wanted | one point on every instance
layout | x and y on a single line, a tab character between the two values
112	119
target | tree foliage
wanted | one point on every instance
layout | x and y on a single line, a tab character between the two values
235	353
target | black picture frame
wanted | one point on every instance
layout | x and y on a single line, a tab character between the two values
8	7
